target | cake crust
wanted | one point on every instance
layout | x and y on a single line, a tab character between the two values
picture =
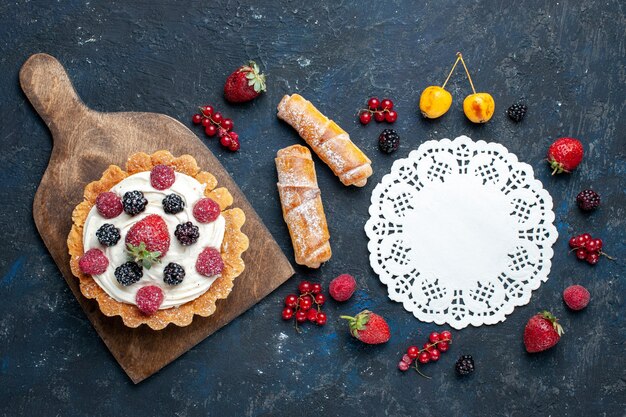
235	242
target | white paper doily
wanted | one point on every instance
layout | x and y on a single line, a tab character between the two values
461	232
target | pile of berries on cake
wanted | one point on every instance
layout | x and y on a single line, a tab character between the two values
148	239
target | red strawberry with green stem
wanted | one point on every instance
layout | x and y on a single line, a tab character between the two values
245	84
542	332
369	327
148	240
564	155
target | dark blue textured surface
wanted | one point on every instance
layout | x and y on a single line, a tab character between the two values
566	58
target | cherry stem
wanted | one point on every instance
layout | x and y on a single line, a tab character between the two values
451	71
469	77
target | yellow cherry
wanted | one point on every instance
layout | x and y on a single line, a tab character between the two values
435	102
479	107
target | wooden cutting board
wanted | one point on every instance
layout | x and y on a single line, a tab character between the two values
85	143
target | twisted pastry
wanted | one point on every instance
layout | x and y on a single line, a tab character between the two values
302	206
330	142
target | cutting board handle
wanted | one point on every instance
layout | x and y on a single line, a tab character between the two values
50	91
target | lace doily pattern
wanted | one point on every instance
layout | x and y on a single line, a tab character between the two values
461	232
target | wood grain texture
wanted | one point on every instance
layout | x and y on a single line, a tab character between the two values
85	143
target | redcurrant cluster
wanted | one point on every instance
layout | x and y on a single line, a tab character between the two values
301	306
587	248
215	123
381	111
430	352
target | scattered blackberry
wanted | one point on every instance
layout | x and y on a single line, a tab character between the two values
134	202
173	204
465	365
588	200
128	273
173	274
108	235
388	141
517	111
187	233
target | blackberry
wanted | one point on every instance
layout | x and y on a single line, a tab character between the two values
173	274
108	235
128	273
388	141
465	365
517	111
588	200
173	204
134	202
187	233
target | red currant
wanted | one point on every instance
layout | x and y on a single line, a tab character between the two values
585	237
598	244
228	124
320	299
427	347
287	313
573	242
379	116
386	104
373	103
207	110
391	116
300	316
305	286
196	119
316	288
592	258
305	303
434	355
234	145
291	300
406	358
445	335
443	346
413	352
424	357
403	366
311	315
365	117
434	337
225	141
217	117
580	241
321	319
591	245
581	253
206	121
210	130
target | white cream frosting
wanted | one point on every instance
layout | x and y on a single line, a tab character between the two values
211	235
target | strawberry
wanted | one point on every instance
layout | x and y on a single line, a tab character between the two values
542	332
148	240
245	84
368	327
565	155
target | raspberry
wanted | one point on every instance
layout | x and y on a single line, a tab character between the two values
588	200
128	273
576	297
173	204
108	235
388	141
93	262
162	177
187	233
173	274
342	287
134	202
209	262
109	205
149	299
206	210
